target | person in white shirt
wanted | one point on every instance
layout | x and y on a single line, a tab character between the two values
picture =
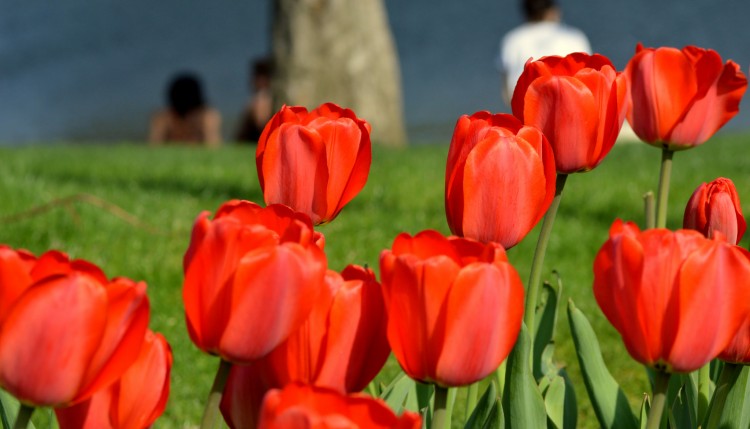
542	34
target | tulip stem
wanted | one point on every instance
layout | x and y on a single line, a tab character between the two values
704	390
663	196
648	206
532	293
661	384
211	412
440	416
24	416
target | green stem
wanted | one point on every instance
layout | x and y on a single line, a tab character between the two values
532	293
704	390
660	398
24	416
729	374
648	203
663	196
440	416
471	399
211	411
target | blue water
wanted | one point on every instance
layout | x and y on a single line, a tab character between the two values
95	71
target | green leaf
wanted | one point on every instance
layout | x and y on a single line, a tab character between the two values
9	408
682	396
3	415
560	402
483	409
554	402
609	401
735	412
544	334
522	403
645	408
395	394
496	419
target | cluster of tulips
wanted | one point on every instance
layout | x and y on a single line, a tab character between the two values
297	342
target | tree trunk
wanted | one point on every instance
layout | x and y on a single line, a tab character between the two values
340	51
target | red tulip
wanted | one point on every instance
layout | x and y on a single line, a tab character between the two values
69	335
252	275
19	269
135	401
454	306
680	98
716	207
578	101
299	406
738	350
676	298
314	162
499	180
341	346
15	276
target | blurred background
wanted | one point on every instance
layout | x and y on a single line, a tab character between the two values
96	71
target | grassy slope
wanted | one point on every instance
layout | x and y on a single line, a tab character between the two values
166	188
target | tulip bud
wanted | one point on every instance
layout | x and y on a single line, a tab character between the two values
715	207
314	162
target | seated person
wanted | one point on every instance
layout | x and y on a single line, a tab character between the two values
260	107
187	119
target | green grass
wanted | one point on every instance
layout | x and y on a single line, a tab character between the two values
164	189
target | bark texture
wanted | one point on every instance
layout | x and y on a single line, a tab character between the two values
340	51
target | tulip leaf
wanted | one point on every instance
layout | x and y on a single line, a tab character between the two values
682	395
3	415
645	408
523	405
554	402
495	420
545	330
560	402
395	394
735	412
483	408
609	401
9	409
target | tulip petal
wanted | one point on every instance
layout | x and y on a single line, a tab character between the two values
568	114
347	148
505	190
357	346
709	113
140	396
213	263
416	318
484	309
713	280
272	293
15	276
44	360
90	414
662	85
296	152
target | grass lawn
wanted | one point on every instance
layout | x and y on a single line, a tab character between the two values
129	209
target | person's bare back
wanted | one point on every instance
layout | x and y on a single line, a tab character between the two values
200	127
187	119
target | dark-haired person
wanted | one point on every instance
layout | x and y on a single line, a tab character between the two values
542	34
259	108
187	119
